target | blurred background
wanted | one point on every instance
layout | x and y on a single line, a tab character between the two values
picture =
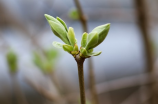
32	71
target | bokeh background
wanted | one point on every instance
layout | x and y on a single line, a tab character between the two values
129	52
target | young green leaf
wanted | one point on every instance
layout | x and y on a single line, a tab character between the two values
102	32
71	36
84	39
57	44
94	53
92	40
60	30
62	22
50	18
67	48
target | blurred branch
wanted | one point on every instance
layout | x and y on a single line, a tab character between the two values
46	92
81	16
83	21
132	98
19	95
143	25
121	83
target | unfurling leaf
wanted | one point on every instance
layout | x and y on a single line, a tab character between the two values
67	48
71	36
58	28
62	22
84	39
57	44
50	18
92	40
94	53
102	32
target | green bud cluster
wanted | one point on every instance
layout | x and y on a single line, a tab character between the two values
45	61
88	42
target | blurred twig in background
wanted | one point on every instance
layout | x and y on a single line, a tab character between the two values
83	21
143	25
46	62
18	95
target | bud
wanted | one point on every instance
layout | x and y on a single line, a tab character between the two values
71	36
74	52
84	39
75	47
83	52
67	48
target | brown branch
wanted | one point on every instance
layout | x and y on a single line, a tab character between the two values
143	25
83	21
80	62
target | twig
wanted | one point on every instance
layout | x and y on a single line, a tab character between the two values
80	62
83	21
143	25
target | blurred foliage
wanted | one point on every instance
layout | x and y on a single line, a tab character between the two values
12	61
45	62
73	14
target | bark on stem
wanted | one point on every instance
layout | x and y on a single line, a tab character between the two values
83	21
80	62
